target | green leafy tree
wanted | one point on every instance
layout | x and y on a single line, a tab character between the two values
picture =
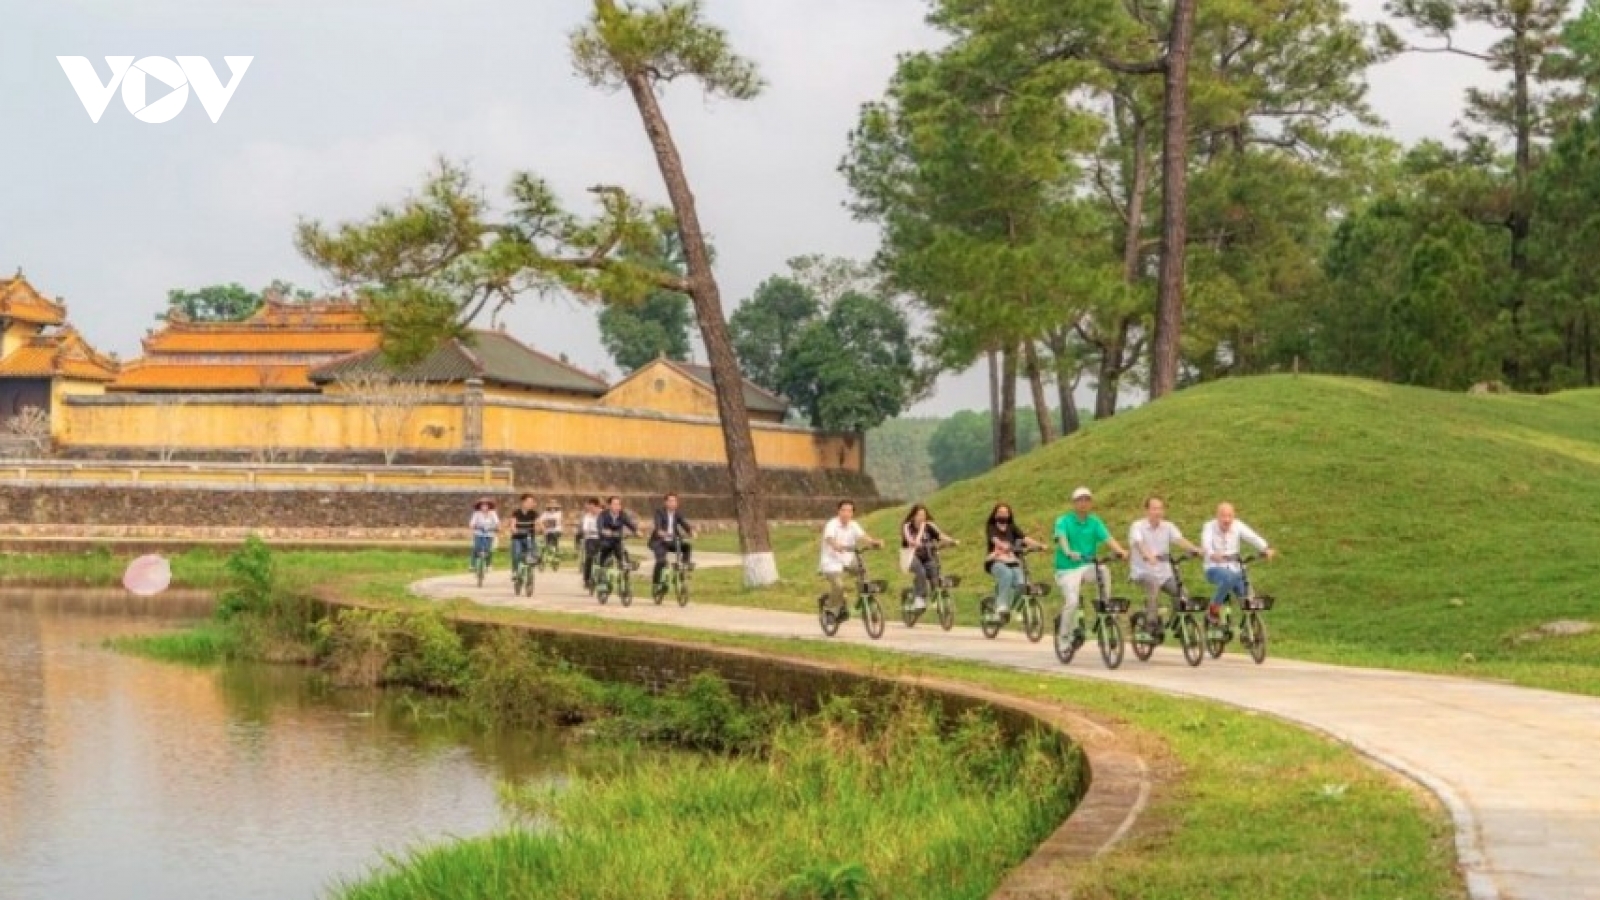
962	446
430	265
855	367
898	458
1566	233
231	302
657	327
766	327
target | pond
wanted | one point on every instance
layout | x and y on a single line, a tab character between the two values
125	777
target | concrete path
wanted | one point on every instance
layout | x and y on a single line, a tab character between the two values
1513	765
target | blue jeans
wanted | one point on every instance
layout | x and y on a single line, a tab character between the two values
521	546
1006	581
482	544
1227	581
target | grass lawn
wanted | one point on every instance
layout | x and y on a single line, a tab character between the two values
1258	808
1418	529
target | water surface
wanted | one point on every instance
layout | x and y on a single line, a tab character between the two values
129	778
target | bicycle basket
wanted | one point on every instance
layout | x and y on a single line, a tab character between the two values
1037	589
1190	605
950	581
1260	602
633	565
1116	606
876	587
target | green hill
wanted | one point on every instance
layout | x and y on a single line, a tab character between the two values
1419	529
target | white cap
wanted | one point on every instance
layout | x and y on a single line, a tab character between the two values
1082	494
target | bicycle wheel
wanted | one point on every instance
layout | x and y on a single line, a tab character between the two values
947	611
682	590
1217	636
826	618
872	617
1189	636
986	618
625	592
658	592
1066	646
1253	634
1143	646
1032	620
478	570
907	615
602	586
1109	633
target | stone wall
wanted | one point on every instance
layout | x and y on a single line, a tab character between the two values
795	495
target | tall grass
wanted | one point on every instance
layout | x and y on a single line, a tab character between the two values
843	804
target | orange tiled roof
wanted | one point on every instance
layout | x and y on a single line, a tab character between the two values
162	376
63	353
259	340
19	301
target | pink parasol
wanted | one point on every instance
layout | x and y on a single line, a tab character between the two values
147	576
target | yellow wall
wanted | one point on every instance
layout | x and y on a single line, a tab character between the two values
660	387
310	423
15	335
62	388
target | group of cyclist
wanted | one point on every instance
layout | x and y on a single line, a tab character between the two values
1077	539
598	541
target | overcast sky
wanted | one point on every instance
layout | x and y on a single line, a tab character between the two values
347	103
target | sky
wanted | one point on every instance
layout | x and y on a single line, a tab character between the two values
347	105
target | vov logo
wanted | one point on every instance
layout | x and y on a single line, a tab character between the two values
135	77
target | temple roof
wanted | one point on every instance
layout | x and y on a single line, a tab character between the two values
328	327
756	397
155	376
19	301
494	357
62	353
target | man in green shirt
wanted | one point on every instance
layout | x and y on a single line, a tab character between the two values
1078	537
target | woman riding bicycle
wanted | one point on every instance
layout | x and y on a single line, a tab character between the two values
485	524
1003	538
919	535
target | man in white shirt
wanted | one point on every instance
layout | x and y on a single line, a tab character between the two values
1152	538
589	538
1220	544
840	537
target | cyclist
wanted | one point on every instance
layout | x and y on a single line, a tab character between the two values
840	537
1004	537
485	524
550	526
669	524
1221	538
917	535
1152	538
589	536
611	524
524	525
1078	536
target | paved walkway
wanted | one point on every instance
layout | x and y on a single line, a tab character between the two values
1514	766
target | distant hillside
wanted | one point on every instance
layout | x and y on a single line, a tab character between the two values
898	460
1418	528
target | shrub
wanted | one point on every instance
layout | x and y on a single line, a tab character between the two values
513	683
252	581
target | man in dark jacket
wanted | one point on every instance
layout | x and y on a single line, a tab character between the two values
669	524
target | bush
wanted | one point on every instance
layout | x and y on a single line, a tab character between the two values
252	581
513	683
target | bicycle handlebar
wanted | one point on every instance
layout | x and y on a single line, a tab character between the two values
1180	558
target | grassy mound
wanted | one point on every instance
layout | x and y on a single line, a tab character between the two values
1419	529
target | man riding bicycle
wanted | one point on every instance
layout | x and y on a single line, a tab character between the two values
611	524
550	527
1220	540
669	524
840	537
1152	538
1078	537
524	526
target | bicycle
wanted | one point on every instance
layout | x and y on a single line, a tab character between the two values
675	577
866	602
940	585
1029	602
616	577
1252	629
1184	624
522	572
480	561
550	558
1107	627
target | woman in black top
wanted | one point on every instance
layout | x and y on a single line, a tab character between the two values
1003	537
918	533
